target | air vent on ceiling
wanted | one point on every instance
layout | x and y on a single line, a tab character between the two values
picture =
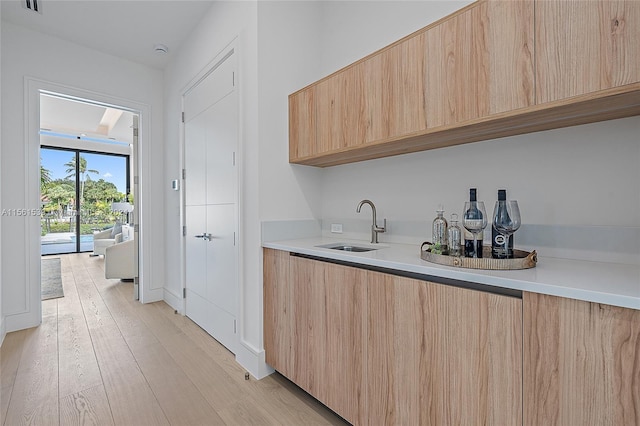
33	5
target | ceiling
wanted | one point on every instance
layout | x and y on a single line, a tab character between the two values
81	119
125	28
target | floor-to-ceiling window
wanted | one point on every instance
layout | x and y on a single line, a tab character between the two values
78	189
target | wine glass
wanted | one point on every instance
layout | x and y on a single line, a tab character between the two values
506	220
474	219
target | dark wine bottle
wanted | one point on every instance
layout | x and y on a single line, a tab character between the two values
497	239
470	244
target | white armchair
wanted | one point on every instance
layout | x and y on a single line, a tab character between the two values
104	239
120	260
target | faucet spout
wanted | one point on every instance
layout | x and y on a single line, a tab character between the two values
375	229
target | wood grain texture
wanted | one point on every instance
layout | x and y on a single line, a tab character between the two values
479	81
393	91
474	63
581	362
609	104
327	305
340	111
302	124
479	63
34	395
10	353
87	407
585	46
277	310
152	361
442	355
75	353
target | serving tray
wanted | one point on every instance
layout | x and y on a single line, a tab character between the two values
521	260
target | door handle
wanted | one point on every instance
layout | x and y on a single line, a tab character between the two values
205	236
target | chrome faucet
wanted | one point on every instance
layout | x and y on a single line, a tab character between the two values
375	229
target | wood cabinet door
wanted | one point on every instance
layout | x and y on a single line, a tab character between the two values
393	91
581	362
479	63
585	46
276	308
327	312
340	120
442	355
302	124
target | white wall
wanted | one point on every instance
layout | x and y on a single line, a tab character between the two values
30	54
584	178
223	24
278	45
354	29
289	42
287	45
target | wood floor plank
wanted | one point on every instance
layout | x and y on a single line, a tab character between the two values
130	397
87	407
243	413
10	353
215	384
133	329
41	343
283	400
102	358
76	355
34	397
180	399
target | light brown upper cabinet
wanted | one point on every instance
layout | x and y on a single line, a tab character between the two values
585	46
473	64
470	77
479	63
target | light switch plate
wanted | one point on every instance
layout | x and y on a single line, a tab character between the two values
336	228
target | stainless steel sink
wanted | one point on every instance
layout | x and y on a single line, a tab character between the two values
347	247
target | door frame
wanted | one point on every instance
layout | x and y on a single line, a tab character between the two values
30	315
230	49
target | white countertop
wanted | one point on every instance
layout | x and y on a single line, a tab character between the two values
609	283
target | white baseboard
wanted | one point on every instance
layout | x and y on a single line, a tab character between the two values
174	300
3	330
252	360
154	295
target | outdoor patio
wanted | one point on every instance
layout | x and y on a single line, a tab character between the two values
64	242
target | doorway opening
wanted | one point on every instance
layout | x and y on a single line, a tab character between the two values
88	154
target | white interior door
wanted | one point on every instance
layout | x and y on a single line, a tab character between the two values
211	192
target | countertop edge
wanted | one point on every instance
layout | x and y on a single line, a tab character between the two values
399	257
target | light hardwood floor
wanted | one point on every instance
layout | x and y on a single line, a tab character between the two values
102	358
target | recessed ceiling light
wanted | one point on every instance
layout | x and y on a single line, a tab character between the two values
161	49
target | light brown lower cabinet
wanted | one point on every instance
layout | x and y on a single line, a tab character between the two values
276	311
581	362
381	349
442	355
328	334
